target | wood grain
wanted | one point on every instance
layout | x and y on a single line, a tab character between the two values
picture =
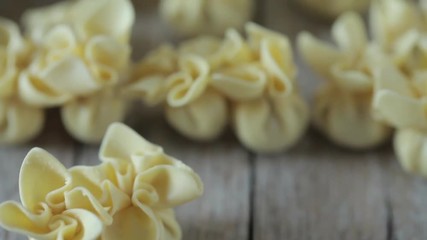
319	192
406	202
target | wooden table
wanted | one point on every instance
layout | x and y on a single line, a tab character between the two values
315	191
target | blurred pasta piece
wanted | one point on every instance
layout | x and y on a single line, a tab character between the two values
213	82
342	108
19	122
203	119
271	124
194	17
87	118
389	20
410	146
347	118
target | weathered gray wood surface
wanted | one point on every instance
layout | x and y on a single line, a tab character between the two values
315	191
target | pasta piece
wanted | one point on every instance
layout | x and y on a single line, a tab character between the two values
410	146
347	119
232	50
190	83
264	125
390	19
134	222
112	18
342	108
38	21
397	102
129	195
150	74
87	119
19	122
352	64
13	53
43	180
203	119
65	69
204	16
240	83
273	49
160	182
410	54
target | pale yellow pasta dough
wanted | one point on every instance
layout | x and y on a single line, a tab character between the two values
410	146
273	49
207	47
160	182
410	56
13	53
103	17
270	125
230	51
88	118
197	81
352	63
390	19
347	118
342	107
242	82
189	83
112	18
131	194
174	182
397	101
43	180
333	8
150	74
64	68
19	122
192	17
203	119
38	21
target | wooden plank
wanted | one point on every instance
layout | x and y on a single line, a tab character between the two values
53	139
406	202
405	214
317	191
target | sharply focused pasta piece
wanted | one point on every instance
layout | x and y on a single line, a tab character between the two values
131	194
43	180
156	183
